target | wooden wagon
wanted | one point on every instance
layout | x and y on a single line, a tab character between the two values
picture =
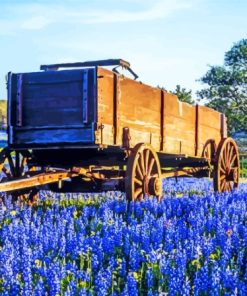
84	127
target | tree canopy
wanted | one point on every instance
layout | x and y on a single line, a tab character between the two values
183	94
226	89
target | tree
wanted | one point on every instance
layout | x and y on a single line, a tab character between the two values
183	94
227	87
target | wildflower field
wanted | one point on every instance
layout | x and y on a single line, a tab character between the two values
194	242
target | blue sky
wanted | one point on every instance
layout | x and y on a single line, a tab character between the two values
167	42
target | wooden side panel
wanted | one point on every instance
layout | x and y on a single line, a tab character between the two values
137	107
179	126
52	98
105	110
53	107
139	110
148	113
210	126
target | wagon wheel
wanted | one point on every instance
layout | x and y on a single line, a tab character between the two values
13	165
227	166
209	153
143	175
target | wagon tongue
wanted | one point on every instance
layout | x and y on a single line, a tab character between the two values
39	179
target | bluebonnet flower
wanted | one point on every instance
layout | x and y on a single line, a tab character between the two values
87	242
103	281
135	258
215	279
149	278
39	289
132	285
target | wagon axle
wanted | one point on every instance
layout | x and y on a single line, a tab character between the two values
152	186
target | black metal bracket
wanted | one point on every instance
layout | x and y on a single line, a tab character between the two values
109	62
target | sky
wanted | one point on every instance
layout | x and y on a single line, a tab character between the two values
167	42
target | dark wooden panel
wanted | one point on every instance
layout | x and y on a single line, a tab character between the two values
54	136
52	104
62	77
60	99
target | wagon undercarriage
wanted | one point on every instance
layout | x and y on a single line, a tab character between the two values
139	171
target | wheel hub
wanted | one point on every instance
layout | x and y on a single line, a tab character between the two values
232	175
152	186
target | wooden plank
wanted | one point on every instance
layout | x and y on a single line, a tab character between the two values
109	62
223	126
54	136
38	180
51	77
197	130
105	108
9	87
139	110
162	114
19	99
115	108
179	125
85	97
209	127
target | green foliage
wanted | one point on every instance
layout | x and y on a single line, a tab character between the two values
183	94
227	87
243	166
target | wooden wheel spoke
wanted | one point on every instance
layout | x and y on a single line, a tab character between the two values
140	196
137	192
234	157
223	184
138	170
142	165
7	172
137	181
222	170
11	165
23	164
225	187
150	167
222	177
230	155
225	153
222	163
227	159
147	160
231	185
